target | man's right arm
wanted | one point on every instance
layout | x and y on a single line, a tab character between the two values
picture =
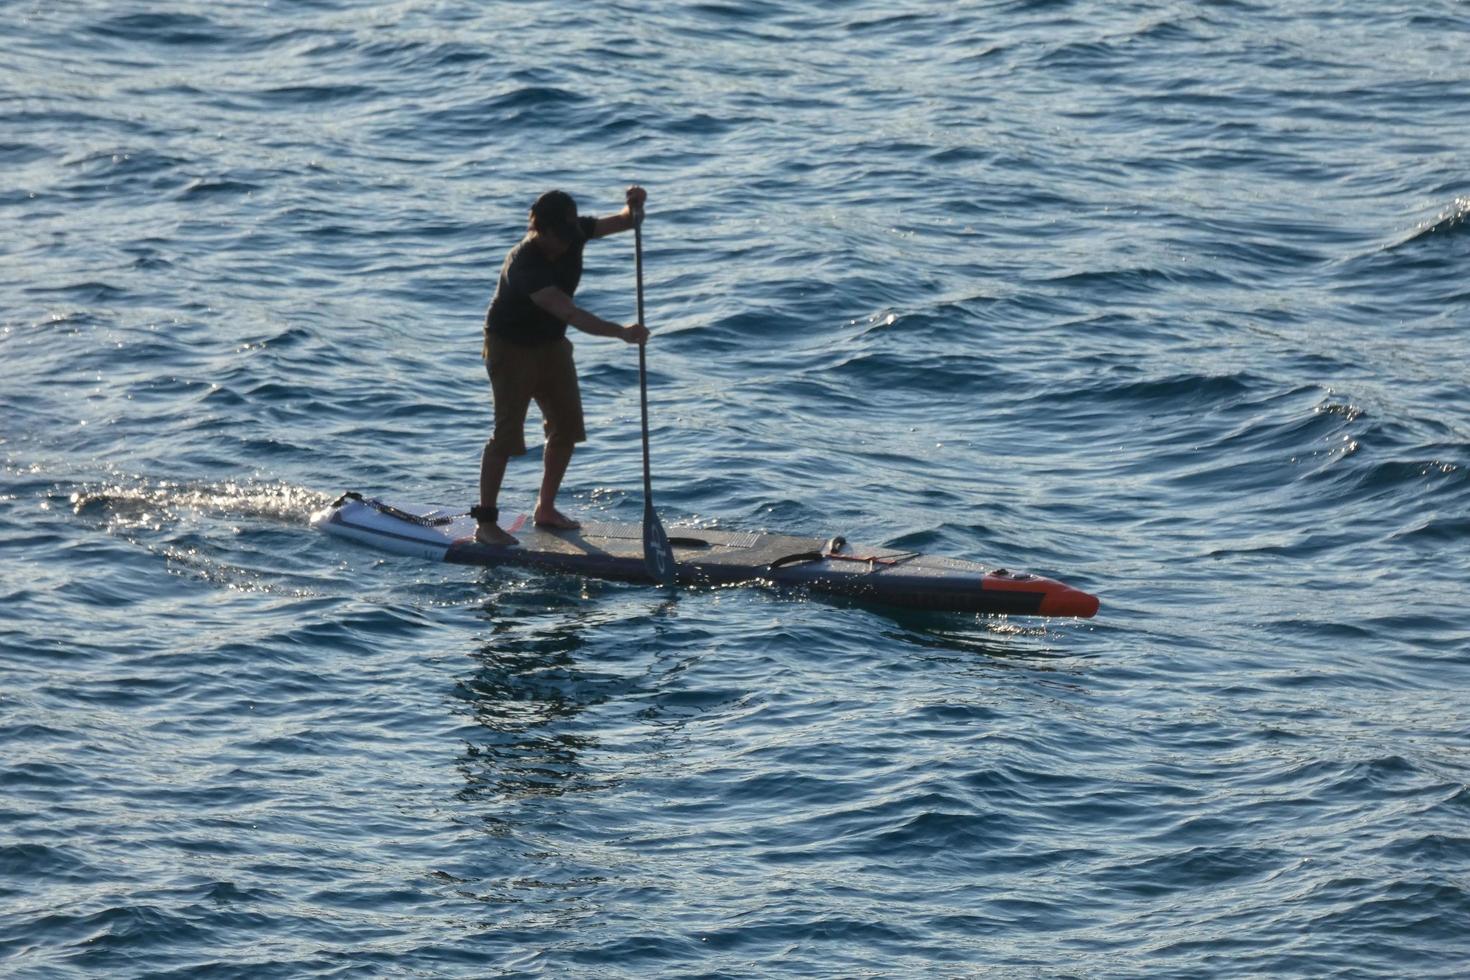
560	305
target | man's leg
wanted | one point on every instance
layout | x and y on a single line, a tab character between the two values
506	365
492	472
555	458
561	406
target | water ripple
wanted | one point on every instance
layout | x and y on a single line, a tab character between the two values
1167	303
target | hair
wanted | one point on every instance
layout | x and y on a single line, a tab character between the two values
551	209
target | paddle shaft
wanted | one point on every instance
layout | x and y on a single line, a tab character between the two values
642	361
657	555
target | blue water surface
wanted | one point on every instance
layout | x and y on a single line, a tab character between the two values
1165	300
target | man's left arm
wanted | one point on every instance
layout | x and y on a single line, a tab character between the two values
623	220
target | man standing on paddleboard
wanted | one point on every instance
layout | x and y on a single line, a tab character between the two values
529	357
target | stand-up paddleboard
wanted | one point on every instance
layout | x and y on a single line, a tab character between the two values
711	558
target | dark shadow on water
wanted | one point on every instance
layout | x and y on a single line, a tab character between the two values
525	694
533	684
965	635
540	693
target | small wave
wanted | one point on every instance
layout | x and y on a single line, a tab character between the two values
1193	868
285	340
888	24
1454	221
543	104
1393	475
1088	54
148	503
1132	281
298	95
701	124
421	56
123	163
19	154
1349	412
1348	910
1430	850
960	154
121	171
82	292
534	97
1039	6
1441	22
1167	29
1185	390
1437	531
169	29
213	188
891	371
737	12
40	861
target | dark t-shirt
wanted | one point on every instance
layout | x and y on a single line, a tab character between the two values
513	315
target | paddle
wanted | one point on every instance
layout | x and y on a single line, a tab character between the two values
658	557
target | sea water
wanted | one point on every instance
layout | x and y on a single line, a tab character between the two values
1167	300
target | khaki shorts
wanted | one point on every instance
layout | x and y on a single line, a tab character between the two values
520	375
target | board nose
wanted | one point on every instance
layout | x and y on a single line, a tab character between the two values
1062	600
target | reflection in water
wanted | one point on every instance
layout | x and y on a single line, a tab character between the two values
526	695
545	700
566	699
530	696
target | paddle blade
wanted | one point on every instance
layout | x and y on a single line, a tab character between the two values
658	557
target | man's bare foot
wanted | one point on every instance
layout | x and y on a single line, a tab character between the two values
553	518
492	534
